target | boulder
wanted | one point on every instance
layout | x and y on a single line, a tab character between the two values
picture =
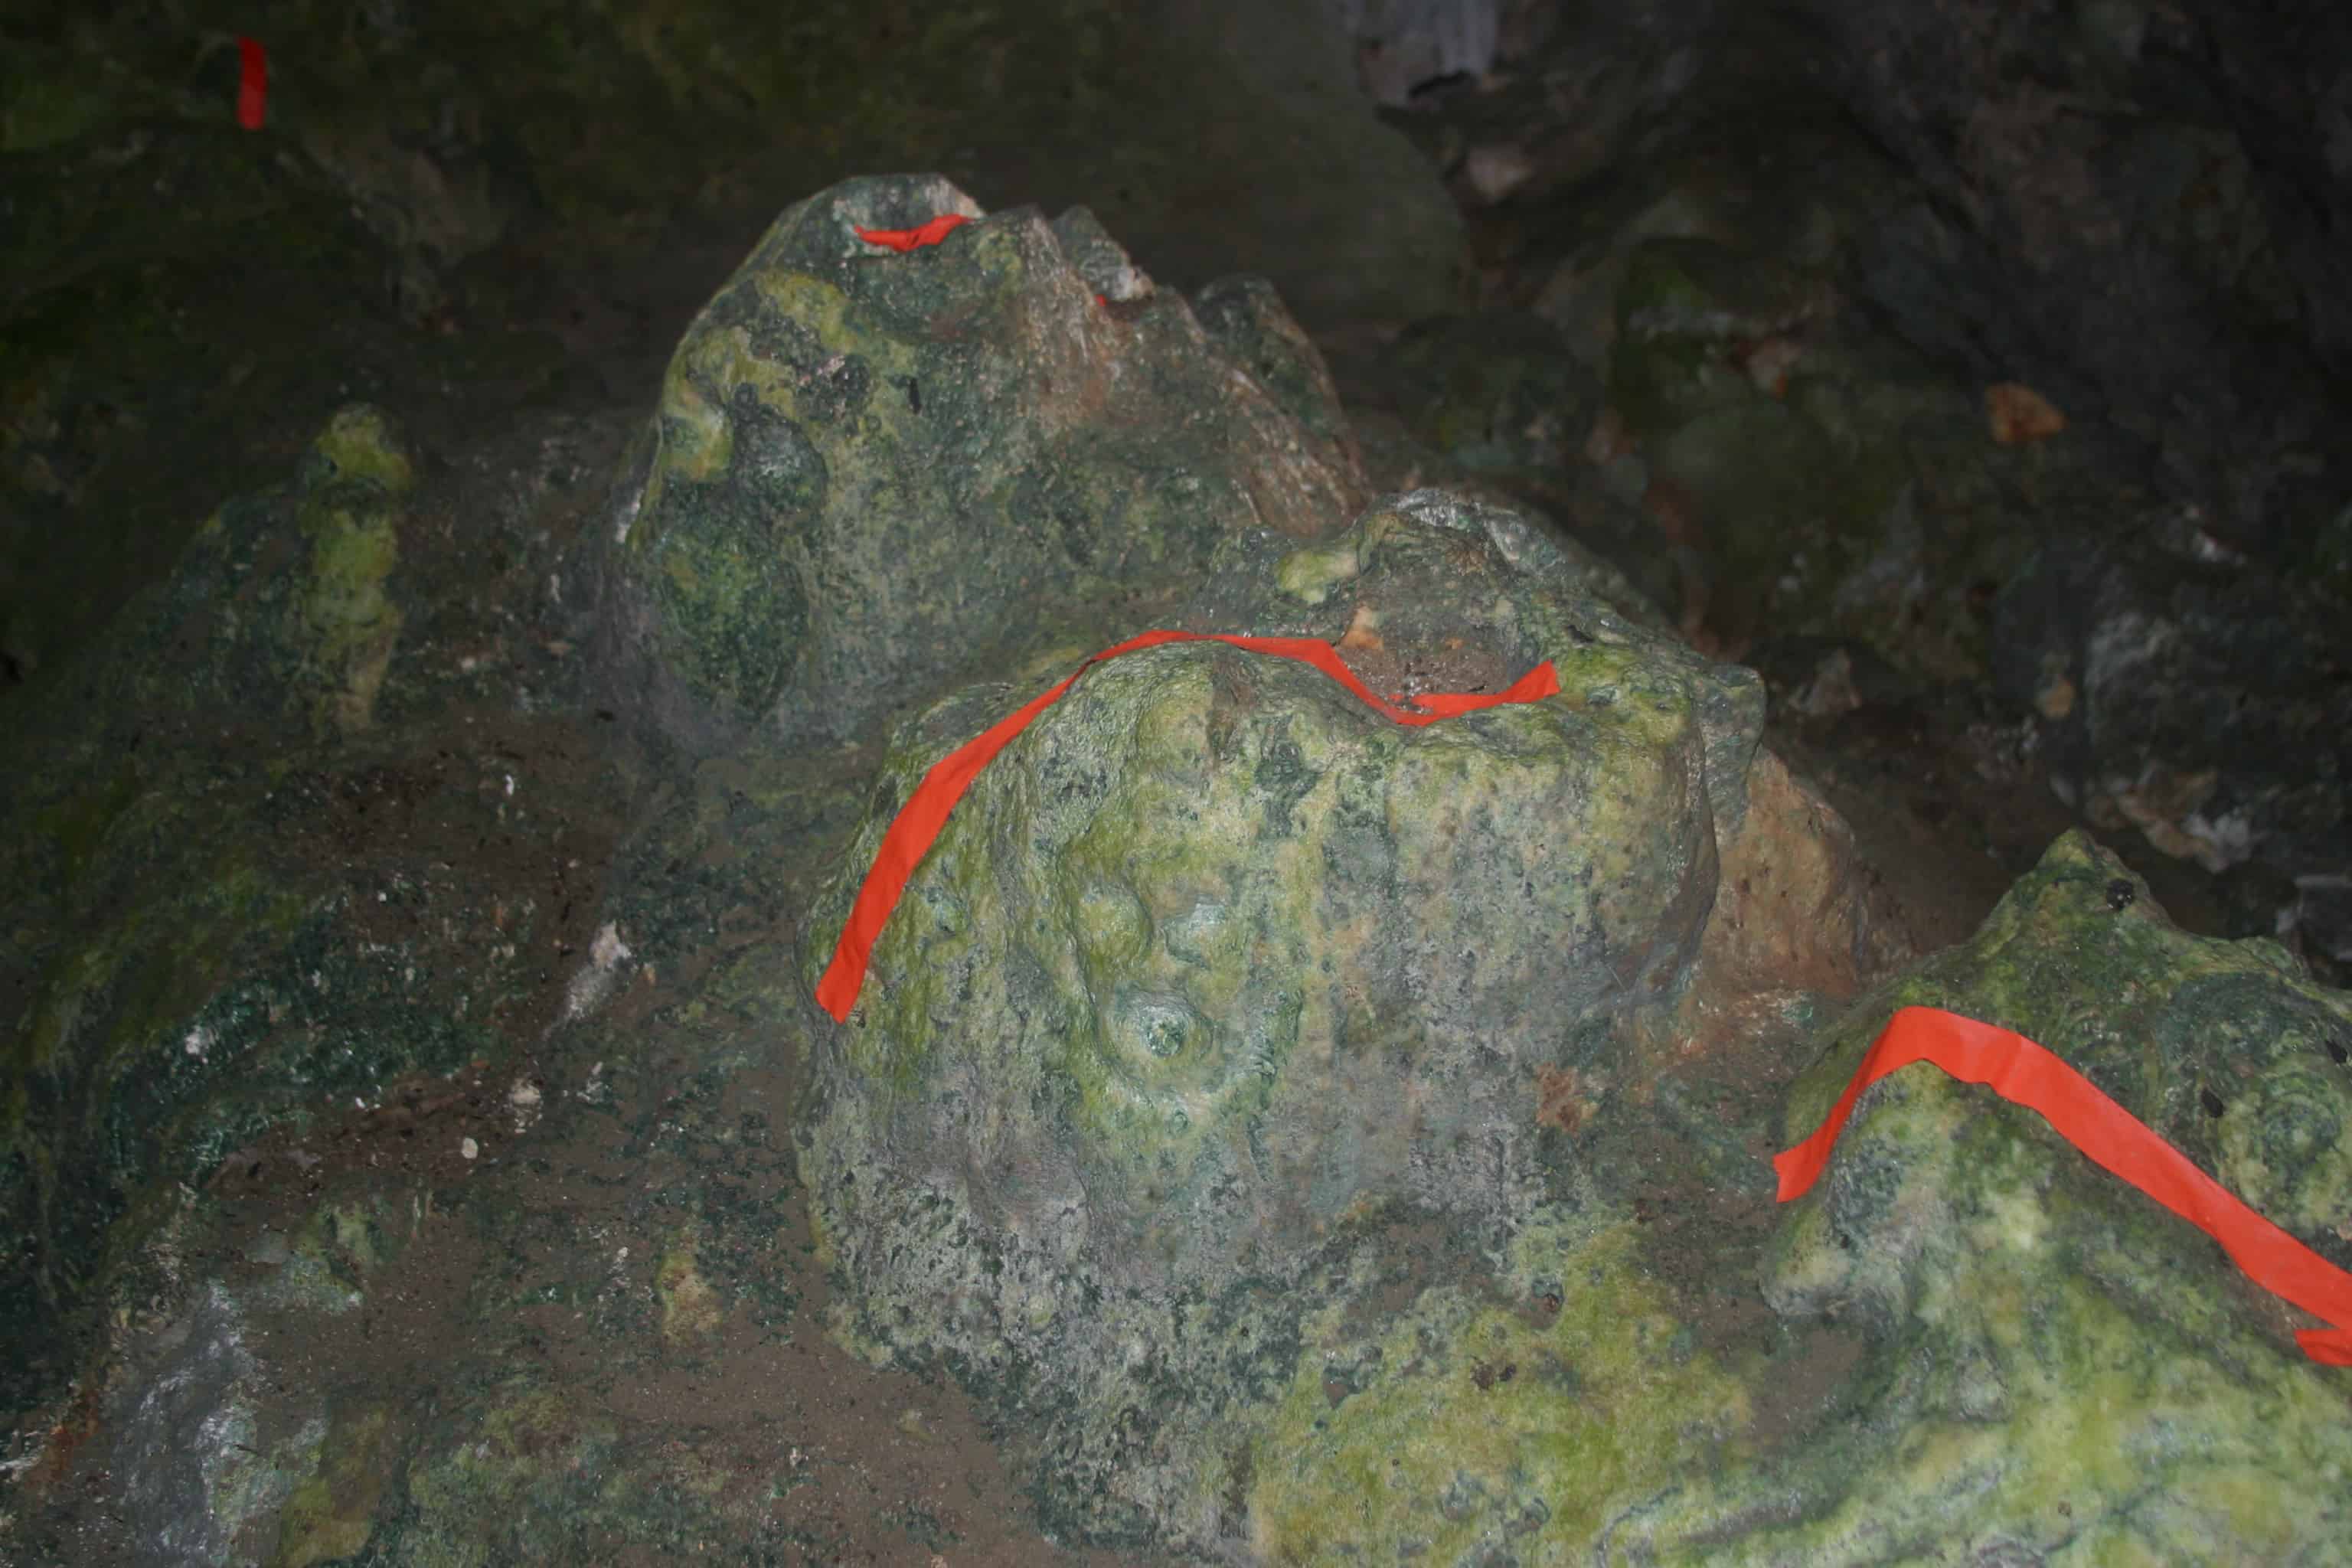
872	472
2031	1358
1214	962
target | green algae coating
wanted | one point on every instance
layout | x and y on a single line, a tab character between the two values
1468	1426
843	433
2076	957
690	1307
359	469
2059	1370
361	442
1312	575
345	607
1232	877
331	1513
517	1474
1214	965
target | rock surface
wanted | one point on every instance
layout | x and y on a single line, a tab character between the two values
844	435
1091	1143
2165	263
2045	1360
397	1158
2181	692
235	879
1214	960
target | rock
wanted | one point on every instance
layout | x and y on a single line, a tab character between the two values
1494	392
241	886
2048	1362
1986	1342
1487	1423
1214	963
1791	468
192	1472
1496	168
1691	314
2193	697
288	603
1797	913
2171	263
869	472
1232	136
1402	45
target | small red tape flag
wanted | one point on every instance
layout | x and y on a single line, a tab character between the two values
903	240
252	83
2026	1074
919	822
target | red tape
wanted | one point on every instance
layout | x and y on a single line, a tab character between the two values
2026	1074
919	822
252	83
903	240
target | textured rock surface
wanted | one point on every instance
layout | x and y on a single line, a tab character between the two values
2051	1364
1301	1270
234	883
2185	694
1510	1414
869	472
1212	961
2175	263
468	211
305	836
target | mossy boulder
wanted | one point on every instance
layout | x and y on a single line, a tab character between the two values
1215	964
2052	1367
288	603
869	471
1508	1415
1287	1271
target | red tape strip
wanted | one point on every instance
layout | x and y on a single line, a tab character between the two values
2025	1074
252	83
903	240
919	822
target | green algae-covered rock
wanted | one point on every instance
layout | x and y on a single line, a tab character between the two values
869	471
2054	1369
207	936
1505	1416
1434	590
1214	963
288	603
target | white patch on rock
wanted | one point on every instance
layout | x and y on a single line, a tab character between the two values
589	988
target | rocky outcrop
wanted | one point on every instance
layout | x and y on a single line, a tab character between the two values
869	471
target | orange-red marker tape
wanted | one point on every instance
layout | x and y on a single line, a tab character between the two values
918	821
903	240
2025	1074
252	83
